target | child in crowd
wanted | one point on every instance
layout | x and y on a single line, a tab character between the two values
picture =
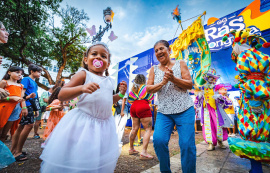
85	139
43	100
32	104
56	109
121	106
10	107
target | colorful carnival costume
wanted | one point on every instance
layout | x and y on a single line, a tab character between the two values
254	84
211	106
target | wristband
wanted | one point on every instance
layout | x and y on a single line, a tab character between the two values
7	98
121	95
24	108
50	108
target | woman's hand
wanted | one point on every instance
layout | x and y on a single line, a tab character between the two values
16	98
122	113
32	95
165	79
36	114
3	93
123	87
90	87
61	108
169	74
24	112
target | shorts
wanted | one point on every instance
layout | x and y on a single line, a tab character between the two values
39	116
29	118
140	109
15	115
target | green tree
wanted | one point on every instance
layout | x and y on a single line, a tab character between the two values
34	38
69	37
28	41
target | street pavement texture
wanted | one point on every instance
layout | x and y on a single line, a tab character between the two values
217	161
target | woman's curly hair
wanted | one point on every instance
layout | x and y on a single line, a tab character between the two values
54	94
139	79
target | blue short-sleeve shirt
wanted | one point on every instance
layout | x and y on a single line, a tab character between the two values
31	87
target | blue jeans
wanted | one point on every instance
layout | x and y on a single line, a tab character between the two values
184	122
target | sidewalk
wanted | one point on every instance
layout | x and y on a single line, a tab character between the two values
217	161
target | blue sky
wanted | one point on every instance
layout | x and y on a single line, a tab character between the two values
140	23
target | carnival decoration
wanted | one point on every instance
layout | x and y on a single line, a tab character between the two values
112	36
211	107
92	31
254	84
192	47
176	16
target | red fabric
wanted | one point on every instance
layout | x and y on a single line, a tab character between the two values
140	109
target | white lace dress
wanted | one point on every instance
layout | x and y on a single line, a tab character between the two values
85	139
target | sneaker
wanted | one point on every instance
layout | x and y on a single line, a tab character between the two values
37	137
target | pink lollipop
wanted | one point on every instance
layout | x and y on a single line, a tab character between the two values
97	63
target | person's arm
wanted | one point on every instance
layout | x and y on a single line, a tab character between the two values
60	107
122	90
123	106
76	87
150	87
186	81
3	92
24	108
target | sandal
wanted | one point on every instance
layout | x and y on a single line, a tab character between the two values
132	152
21	158
24	153
146	157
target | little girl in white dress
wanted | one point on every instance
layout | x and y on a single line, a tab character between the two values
85	139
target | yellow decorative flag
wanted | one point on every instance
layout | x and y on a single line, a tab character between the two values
192	47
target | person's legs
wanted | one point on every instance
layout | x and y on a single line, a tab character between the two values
195	126
133	132
23	136
229	130
36	127
15	138
27	123
147	125
163	129
184	122
5	131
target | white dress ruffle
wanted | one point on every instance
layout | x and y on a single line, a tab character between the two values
84	141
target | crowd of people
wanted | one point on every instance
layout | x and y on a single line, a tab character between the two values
84	138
